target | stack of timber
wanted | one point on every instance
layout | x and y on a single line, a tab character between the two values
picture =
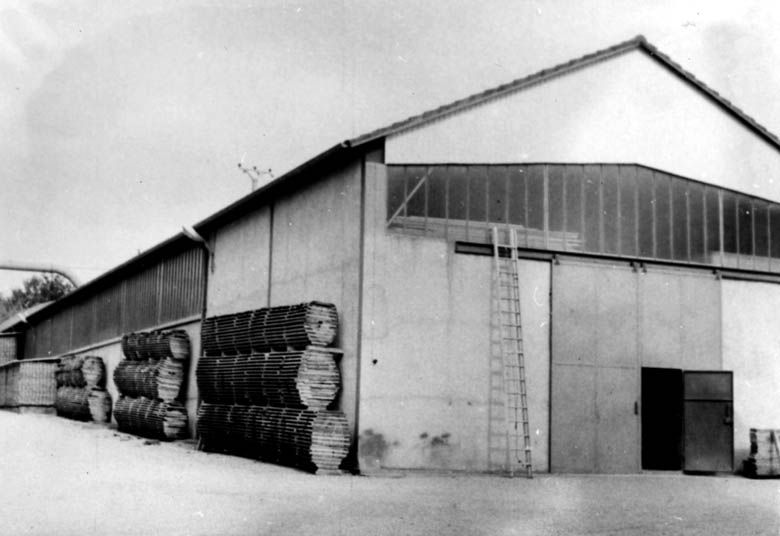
266	379
81	392
764	459
274	328
151	380
312	440
32	384
151	418
306	378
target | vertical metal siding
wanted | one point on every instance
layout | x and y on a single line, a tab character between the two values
163	292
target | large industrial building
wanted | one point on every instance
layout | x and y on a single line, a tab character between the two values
647	209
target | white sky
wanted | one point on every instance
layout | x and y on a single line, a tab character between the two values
122	121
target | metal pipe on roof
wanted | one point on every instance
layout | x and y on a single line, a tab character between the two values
40	267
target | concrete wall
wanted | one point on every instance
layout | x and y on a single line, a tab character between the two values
626	109
239	279
315	255
751	349
111	353
303	247
426	360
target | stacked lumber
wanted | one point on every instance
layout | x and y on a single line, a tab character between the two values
310	440
151	380
274	328
35	383
266	379
296	379
81	392
151	418
93	370
73	403
69	372
156	345
29	384
764	459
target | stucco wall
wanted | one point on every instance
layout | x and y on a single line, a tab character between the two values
425	376
751	349
626	109
239	279
112	355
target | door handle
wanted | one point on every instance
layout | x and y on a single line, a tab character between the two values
727	418
636	408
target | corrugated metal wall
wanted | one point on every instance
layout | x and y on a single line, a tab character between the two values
160	293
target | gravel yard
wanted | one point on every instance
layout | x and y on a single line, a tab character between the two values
63	477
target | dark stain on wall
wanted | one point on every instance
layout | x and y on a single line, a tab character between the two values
373	448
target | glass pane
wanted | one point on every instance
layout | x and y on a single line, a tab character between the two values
517	195
745	228
458	192
761	220
477	193
572	179
627	192
679	219
592	187
497	189
609	205
729	229
663	213
437	192
696	221
774	236
713	226
646	213
535	182
555	194
416	204
395	188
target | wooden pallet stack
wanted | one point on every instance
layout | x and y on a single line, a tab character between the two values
151	380
81	393
267	378
764	459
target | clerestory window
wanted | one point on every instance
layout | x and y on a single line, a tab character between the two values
624	210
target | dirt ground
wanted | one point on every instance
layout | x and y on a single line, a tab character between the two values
63	477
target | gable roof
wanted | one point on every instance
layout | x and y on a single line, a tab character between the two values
343	150
347	149
637	43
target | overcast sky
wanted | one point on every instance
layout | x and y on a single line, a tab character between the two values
122	121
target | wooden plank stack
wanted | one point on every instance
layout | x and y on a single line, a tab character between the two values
81	392
266	379
306	378
764	459
273	328
151	418
151	380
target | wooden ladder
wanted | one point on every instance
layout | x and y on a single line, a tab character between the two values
507	282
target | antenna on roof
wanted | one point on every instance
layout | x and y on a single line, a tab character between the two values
256	175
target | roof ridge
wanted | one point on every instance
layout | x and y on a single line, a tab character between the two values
639	42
